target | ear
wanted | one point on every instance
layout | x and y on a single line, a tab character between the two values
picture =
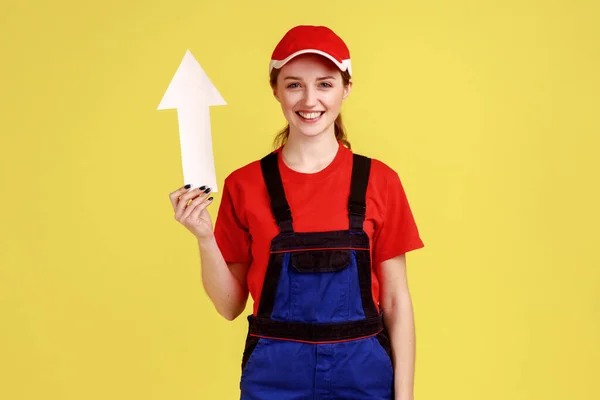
347	90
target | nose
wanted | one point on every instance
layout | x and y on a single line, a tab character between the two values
310	97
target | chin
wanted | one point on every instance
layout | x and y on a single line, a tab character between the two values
311	132
314	130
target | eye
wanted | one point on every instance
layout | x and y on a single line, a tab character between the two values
293	85
326	84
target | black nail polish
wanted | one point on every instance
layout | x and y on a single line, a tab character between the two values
210	199
202	187
207	190
187	186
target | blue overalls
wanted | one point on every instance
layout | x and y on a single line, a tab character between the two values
317	333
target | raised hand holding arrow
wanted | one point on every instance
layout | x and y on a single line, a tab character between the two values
192	93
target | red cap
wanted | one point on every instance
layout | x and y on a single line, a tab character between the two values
304	39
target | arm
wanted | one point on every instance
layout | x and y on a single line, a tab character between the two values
224	283
399	320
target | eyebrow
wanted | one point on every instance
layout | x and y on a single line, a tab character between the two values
319	79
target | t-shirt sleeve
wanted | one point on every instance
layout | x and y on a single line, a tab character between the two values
398	233
231	234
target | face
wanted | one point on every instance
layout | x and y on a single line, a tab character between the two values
310	90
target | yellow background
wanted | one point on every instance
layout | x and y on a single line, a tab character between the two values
488	110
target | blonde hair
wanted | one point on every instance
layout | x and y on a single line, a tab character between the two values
340	132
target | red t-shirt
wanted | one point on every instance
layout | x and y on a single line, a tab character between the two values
245	224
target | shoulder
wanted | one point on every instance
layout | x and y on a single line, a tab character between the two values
381	173
246	176
380	169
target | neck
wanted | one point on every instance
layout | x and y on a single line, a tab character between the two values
310	154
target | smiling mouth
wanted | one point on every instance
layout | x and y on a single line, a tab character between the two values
310	116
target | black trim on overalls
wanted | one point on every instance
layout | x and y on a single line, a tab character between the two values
279	204
288	241
308	332
357	205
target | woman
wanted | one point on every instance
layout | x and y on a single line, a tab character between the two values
317	235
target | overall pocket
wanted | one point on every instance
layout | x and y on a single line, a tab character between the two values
251	343
323	286
384	341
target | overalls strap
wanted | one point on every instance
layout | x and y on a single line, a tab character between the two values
357	205
279	204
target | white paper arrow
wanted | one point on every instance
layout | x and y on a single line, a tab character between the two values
192	93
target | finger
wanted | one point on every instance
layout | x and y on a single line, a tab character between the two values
197	205
202	190
174	196
186	199
198	210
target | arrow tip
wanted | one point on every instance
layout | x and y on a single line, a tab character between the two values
190	84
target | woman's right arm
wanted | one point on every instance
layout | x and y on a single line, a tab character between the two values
225	284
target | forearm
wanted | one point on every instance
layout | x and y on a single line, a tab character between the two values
226	292
400	324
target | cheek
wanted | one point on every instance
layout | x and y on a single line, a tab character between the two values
335	102
288	102
286	106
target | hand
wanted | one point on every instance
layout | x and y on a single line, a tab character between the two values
190	210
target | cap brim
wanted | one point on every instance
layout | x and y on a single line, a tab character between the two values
345	65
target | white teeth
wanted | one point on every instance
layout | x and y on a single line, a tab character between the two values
311	115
